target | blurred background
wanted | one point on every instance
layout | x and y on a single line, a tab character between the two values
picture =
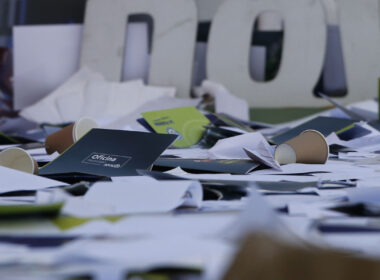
266	34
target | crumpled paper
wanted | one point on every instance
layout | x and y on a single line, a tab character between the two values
225	102
88	94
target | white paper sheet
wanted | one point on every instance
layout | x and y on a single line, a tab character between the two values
353	156
365	144
208	225
70	105
299	168
249	177
147	253
87	94
336	176
3	147
298	225
109	99
264	156
233	147
187	153
46	109
100	96
368	143
368	183
332	139
13	180
369	195
46	157
258	217
135	195
312	208
358	243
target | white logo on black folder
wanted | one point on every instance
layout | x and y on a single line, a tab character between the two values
106	160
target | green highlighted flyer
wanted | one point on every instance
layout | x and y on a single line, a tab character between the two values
185	122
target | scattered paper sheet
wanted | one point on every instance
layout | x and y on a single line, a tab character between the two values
300	168
258	217
187	153
312	208
163	225
244	178
88	94
110	99
365	144
369	195
364	243
45	110
143	254
233	147
13	180
265	156
135	195
367	183
356	156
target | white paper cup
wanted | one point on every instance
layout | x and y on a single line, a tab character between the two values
67	136
308	147
82	127
18	159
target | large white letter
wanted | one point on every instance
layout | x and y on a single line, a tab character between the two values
360	31
175	25
302	54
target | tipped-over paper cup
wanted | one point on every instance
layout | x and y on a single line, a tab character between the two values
308	147
64	138
19	159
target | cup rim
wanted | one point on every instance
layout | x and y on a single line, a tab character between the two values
75	132
31	159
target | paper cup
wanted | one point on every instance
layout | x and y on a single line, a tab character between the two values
19	159
308	147
64	138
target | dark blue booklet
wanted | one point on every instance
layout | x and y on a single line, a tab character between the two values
324	125
233	166
106	152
